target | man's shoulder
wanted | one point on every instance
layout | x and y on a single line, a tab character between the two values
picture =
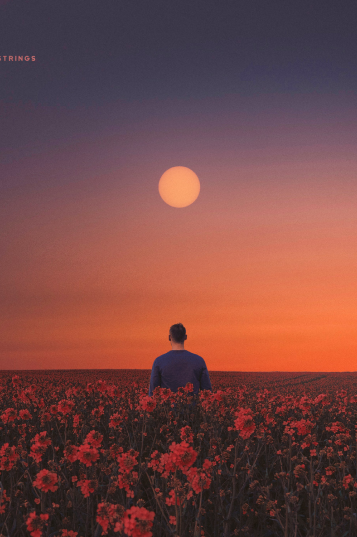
161	357
196	357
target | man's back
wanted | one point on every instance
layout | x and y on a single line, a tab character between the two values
176	368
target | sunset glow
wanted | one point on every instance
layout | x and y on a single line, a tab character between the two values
175	163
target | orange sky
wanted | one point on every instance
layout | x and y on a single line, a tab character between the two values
261	269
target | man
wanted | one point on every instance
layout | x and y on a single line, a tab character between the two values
177	367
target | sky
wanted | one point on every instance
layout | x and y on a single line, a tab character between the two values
258	98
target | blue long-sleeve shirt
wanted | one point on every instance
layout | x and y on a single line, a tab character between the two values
176	368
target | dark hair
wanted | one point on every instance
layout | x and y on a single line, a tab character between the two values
178	332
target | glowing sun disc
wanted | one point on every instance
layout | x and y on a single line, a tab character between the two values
179	186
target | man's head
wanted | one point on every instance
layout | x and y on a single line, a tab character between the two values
177	333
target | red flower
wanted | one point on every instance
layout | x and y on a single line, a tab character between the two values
41	439
87	454
94	438
65	406
183	455
76	419
170	500
244	422
162	393
97	412
303	426
35	523
8	454
10	414
198	479
46	480
163	463
138	521
4	499
25	414
88	486
40	445
109	515
347	480
16	380
103	516
115	420
71	452
147	403
330	470
186	433
126	482
127	461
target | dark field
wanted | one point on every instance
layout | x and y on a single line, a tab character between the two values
88	453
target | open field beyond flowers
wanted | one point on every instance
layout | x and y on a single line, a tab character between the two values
88	453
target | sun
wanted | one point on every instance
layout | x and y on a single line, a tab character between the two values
179	186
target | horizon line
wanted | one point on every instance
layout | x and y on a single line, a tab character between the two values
142	369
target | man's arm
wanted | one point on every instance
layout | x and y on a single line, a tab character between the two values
205	382
155	379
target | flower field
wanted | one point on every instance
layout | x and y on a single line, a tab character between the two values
89	453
